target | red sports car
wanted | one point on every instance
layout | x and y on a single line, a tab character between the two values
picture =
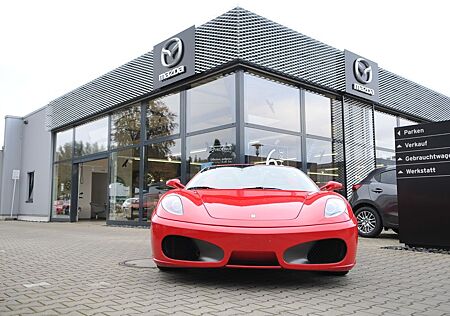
254	216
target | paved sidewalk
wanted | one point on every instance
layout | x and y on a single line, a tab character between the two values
73	269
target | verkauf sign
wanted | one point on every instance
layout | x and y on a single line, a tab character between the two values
174	58
361	77
423	182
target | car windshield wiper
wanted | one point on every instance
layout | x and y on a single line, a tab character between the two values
261	188
199	188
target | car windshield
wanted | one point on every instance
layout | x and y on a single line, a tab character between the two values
253	177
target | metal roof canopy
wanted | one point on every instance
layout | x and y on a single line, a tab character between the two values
240	35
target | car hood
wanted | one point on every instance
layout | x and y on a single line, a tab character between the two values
253	204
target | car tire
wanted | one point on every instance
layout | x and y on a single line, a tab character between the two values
369	222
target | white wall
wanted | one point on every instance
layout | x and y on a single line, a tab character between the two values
1	174
36	156
11	161
27	148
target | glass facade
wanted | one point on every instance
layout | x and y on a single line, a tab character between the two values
163	116
213	148
385	158
162	163
405	122
124	185
320	163
92	137
64	145
284	147
62	189
384	130
211	104
318	115
235	118
270	103
126	127
385	138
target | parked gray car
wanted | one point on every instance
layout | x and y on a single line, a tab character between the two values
374	202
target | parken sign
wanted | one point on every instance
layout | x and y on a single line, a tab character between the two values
361	77
174	58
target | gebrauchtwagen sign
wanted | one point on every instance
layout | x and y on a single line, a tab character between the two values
174	58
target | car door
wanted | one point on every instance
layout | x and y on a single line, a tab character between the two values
383	191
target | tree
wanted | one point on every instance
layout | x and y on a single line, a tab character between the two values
126	127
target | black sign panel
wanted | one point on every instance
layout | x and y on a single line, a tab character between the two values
423	183
361	77
422	143
174	58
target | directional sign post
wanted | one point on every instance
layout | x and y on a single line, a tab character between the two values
423	183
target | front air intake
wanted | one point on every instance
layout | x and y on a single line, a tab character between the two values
317	252
327	251
190	249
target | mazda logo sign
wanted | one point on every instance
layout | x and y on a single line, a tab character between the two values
362	70
172	52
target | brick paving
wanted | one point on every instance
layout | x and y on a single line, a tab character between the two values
73	269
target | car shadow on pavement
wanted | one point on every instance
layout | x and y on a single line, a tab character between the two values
388	235
269	278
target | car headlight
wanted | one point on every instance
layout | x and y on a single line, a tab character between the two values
172	204
335	207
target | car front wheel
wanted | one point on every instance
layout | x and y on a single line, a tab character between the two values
369	222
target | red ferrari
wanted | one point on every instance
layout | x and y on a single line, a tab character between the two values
254	216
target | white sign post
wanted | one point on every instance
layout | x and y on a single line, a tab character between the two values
15	177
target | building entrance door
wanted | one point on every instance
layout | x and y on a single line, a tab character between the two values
92	189
99	198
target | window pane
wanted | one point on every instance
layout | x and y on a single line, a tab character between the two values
211	104
209	149
62	185
385	158
388	177
124	185
30	186
318	114
384	130
64	145
260	143
126	126
163	116
405	122
270	103
321	163
163	162
92	137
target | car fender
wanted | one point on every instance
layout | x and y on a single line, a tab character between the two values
371	204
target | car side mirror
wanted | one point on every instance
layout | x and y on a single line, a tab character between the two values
175	183
331	186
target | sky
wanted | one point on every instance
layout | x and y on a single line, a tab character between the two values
50	47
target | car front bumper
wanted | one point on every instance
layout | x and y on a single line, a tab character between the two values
247	247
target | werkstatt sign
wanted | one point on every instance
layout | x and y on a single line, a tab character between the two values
361	77
423	182
174	58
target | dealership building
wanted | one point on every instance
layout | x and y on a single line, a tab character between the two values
229	91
